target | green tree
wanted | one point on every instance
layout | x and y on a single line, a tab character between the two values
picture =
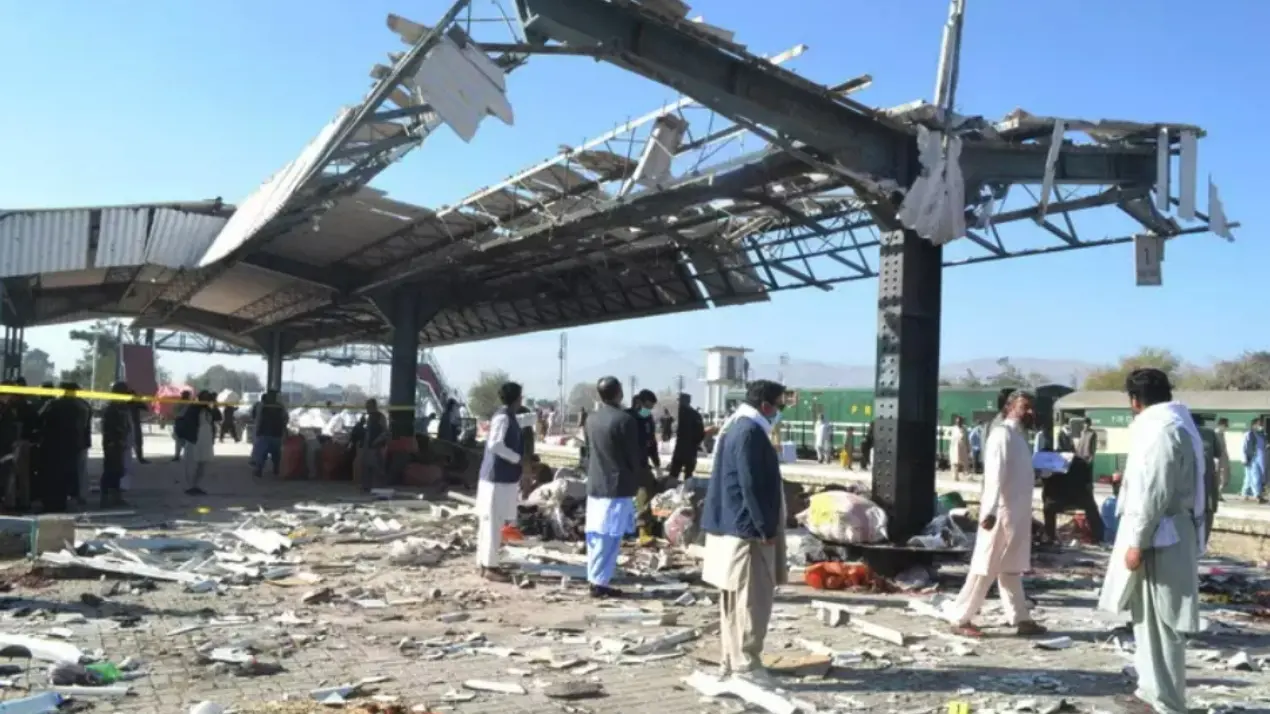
1180	374
37	368
482	397
218	378
354	394
101	349
1009	376
1250	371
581	396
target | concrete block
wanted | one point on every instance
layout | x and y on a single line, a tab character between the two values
40	534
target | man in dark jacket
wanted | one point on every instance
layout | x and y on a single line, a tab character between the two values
612	479
63	431
742	518
116	429
642	409
690	432
1073	490
10	432
271	427
139	408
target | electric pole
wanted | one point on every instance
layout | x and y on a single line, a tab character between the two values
679	384
784	362
563	356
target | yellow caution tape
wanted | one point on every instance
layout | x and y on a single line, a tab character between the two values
54	392
958	708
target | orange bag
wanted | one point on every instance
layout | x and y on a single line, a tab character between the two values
833	575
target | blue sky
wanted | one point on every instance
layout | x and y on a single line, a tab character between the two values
153	100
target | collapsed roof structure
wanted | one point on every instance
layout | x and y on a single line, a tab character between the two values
758	180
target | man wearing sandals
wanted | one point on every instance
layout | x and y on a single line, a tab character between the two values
1003	547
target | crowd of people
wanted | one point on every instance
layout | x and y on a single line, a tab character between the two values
1163	507
44	443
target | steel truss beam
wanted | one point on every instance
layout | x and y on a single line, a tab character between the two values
342	355
725	78
347	163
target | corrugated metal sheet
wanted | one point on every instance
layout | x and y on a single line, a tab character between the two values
176	239
179	239
122	240
43	242
265	202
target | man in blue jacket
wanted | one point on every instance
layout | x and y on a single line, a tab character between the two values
743	521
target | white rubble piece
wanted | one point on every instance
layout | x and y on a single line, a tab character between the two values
414	551
881	632
1054	644
482	685
836	614
265	541
748	692
119	566
207	708
112	691
935	205
665	642
42	649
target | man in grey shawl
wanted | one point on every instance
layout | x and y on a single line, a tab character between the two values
1152	572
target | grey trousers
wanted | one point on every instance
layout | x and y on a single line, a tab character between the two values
745	613
1160	659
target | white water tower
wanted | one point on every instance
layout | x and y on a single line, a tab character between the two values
727	369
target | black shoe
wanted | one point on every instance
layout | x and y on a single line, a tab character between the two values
605	592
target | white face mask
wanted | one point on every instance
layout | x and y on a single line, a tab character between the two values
776	419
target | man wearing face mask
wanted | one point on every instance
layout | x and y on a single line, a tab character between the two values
642	409
1003	546
1255	461
744	517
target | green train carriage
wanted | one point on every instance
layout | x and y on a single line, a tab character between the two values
1110	416
853	409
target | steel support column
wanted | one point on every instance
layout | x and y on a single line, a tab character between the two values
910	286
403	382
11	367
273	361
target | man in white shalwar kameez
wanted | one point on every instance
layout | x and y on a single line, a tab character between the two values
1153	570
498	492
959	447
824	440
1003	546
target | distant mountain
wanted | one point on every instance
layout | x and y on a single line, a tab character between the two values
659	367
